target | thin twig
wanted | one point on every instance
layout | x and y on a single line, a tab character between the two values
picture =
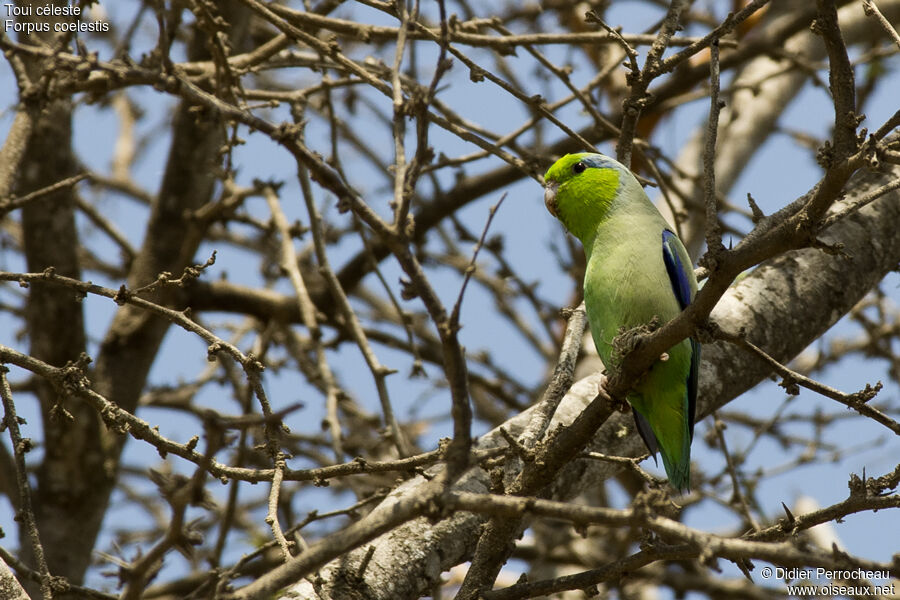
457	307
860	202
288	262
8	204
272	513
713	230
871	9
179	492
561	381
563	75
726	27
402	195
122	421
840	81
461	34
125	247
25	513
856	401
737	492
25	572
379	371
640	80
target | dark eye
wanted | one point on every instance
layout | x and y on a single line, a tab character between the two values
579	167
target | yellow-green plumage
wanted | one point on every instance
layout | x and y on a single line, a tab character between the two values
637	270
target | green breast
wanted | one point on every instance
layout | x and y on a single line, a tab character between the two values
626	285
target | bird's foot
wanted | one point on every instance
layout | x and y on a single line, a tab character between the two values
619	404
629	340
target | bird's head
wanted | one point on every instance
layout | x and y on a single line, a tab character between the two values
579	190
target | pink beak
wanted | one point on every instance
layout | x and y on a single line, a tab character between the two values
550	197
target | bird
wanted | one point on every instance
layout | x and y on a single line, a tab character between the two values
638	272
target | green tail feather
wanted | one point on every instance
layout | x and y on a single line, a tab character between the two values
679	473
666	435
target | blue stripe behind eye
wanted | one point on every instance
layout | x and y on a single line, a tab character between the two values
675	268
598	161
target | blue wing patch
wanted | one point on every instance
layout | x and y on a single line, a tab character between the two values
675	268
681	287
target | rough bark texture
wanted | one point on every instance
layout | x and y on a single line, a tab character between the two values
9	585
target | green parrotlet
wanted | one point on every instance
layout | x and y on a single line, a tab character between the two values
637	270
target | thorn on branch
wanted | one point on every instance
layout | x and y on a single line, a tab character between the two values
745	566
758	214
791	519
